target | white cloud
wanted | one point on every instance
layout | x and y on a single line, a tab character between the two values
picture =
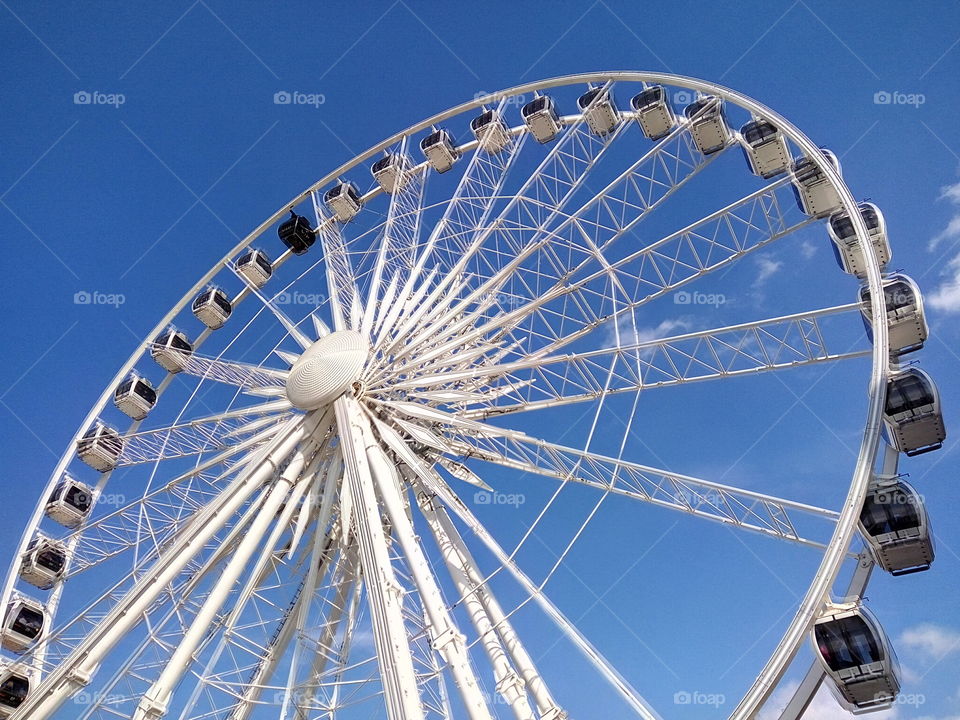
931	641
823	706
947	296
767	267
951	193
808	249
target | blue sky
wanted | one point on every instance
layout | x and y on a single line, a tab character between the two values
135	199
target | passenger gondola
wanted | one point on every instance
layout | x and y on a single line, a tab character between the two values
100	447
815	194
23	624
599	110
857	657
171	350
765	148
391	172
440	150
906	322
490	131
894	523
14	687
212	307
845	244
296	233
70	502
708	124
912	413
44	561
344	201
135	397
540	117
255	267
654	114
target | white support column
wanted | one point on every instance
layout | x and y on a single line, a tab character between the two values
475	599
156	700
401	697
79	667
444	636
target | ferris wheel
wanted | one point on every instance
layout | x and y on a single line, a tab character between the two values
449	317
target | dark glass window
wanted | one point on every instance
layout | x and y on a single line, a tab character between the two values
536	105
13	691
124	388
437	138
382	163
584	100
847	643
29	623
890	511
870	216
222	302
907	392
264	263
77	498
651	96
758	131
146	392
51	558
482	120
180	344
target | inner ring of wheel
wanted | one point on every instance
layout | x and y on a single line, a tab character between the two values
836	550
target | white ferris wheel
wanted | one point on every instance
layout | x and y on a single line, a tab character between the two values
454	312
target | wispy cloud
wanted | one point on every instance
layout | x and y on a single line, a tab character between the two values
930	640
767	267
946	297
952	231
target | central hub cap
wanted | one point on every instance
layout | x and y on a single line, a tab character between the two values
327	369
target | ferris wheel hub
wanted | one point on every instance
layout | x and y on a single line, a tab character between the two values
327	369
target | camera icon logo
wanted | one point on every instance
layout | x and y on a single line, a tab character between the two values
82	97
481	498
682	698
882	97
683	97
282	98
82	297
681	298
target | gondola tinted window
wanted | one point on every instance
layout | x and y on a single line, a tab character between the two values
889	511
78	498
907	392
29	623
14	690
650	96
51	558
847	643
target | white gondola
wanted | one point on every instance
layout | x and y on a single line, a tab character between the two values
708	124
857	657
490	131
912	413
44	561
344	201
14	687
440	150
255	267
765	148
391	172
296	233
23	624
100	447
894	523
906	322
815	195
845	245
212	307
171	350
599	110
540	117
654	114
70	502
135	397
